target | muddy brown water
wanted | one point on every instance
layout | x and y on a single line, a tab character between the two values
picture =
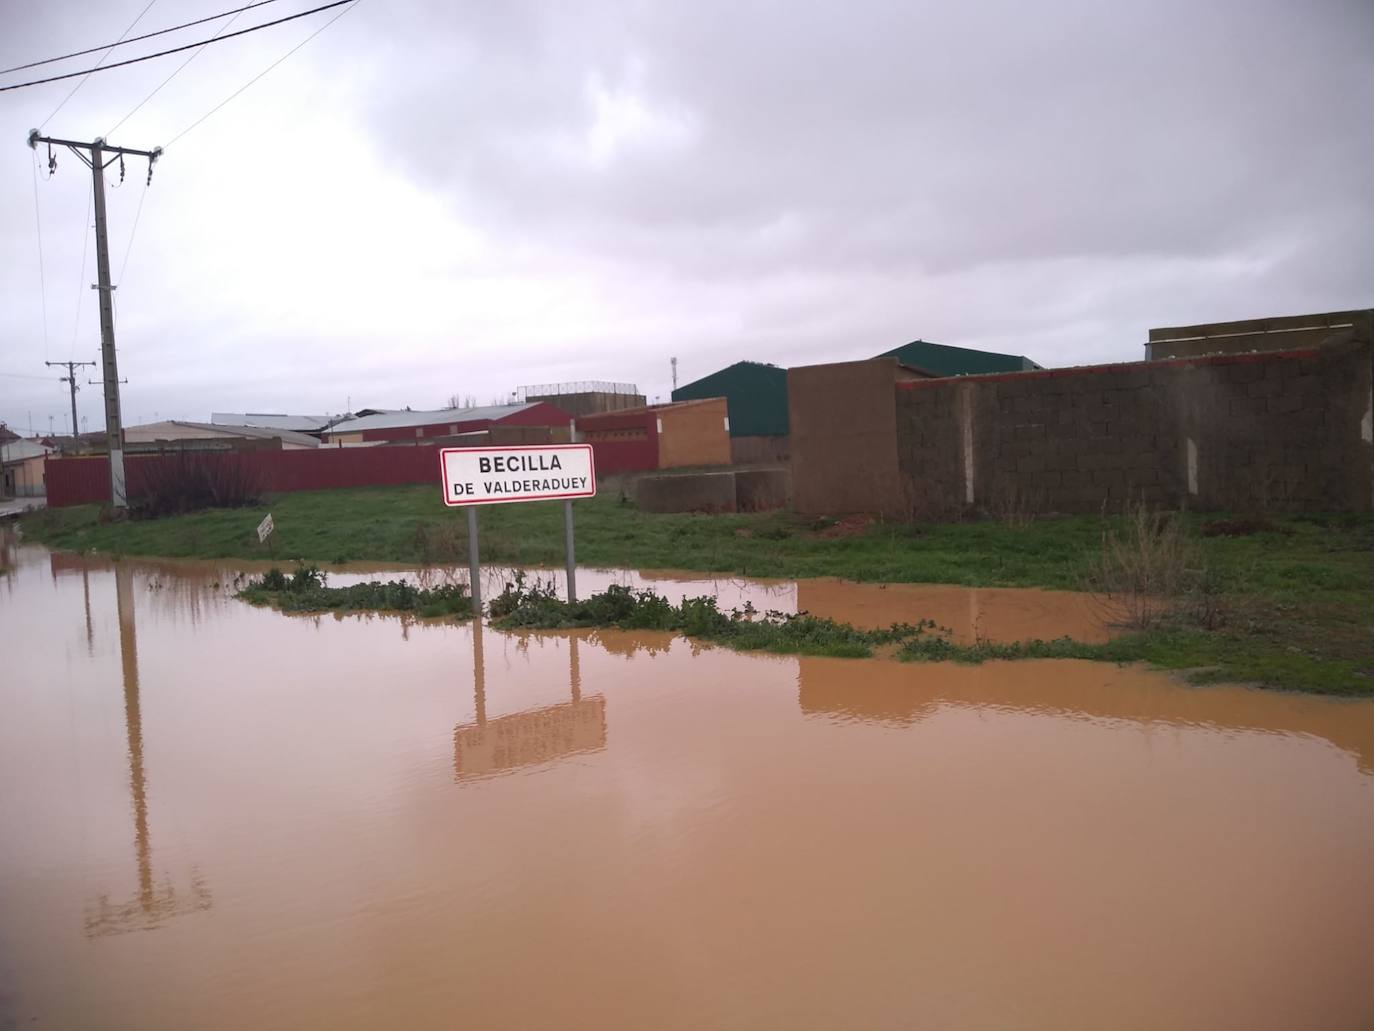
216	816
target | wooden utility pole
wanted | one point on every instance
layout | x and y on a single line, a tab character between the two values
70	378
98	155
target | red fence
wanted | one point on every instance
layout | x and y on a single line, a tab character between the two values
79	481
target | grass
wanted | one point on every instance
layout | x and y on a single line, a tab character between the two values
307	590
1295	597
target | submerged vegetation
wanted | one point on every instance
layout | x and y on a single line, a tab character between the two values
534	606
1284	601
307	590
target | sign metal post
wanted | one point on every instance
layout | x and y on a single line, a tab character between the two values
474	564
568	544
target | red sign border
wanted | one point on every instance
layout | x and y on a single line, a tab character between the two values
591	462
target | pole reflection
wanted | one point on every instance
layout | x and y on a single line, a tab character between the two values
489	747
152	904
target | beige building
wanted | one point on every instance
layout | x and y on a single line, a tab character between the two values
22	465
174	432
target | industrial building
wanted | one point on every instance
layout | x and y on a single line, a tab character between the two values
312	424
182	435
756	397
944	360
434	427
1271	334
588	397
671	436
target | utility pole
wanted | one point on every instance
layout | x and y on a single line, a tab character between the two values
98	155
70	378
673	363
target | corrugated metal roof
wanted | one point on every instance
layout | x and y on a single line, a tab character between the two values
756	394
402	420
22	450
271	421
945	360
177	429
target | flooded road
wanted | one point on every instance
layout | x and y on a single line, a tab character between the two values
216	816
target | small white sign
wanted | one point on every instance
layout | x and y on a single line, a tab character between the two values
501	475
265	528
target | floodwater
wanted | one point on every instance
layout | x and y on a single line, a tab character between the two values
216	816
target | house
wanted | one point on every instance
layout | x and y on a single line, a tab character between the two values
944	360
756	397
431	427
671	436
175	433
1284	333
21	468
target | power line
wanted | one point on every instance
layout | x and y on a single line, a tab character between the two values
174	50
260	74
107	53
129	247
20	375
42	274
183	64
137	39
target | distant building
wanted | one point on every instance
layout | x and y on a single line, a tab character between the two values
21	468
432	427
312	424
671	436
1283	333
208	436
756	396
586	397
944	360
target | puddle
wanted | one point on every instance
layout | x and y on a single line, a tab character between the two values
218	817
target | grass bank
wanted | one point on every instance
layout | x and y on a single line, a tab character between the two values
307	590
1295	601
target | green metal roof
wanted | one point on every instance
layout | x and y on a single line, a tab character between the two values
755	394
944	360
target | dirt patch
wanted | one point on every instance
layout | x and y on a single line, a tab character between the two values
1238	527
847	526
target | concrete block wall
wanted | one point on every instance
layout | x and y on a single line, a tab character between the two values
1278	430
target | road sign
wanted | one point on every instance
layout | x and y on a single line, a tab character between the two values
265	528
501	475
473	476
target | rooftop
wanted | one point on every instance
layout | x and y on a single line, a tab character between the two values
400	420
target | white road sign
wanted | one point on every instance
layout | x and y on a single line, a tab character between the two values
500	475
265	528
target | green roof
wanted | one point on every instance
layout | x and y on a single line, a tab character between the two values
944	360
755	395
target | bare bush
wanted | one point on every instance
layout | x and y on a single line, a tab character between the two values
1149	570
188	481
1014	506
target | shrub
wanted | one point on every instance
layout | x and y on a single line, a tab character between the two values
188	481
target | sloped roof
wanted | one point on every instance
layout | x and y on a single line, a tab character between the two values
944	360
402	420
21	450
272	421
177	429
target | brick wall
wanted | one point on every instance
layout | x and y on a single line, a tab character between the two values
1279	430
844	437
693	433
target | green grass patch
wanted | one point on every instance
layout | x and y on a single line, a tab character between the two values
307	590
534	606
1295	595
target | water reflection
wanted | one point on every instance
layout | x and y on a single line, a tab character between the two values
486	747
152	904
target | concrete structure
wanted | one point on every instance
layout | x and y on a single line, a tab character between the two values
671	436
1281	333
944	360
756	396
22	468
585	398
844	435
1285	430
436	427
177	433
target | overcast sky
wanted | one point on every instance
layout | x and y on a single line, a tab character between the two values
433	198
